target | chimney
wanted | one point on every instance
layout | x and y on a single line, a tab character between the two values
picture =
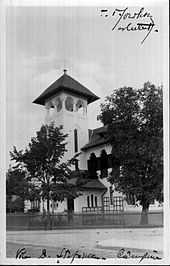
65	71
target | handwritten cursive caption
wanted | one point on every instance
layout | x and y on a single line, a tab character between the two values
127	254
66	253
124	20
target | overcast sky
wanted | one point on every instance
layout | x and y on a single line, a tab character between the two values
42	41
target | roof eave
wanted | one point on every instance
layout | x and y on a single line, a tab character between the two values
94	145
41	99
38	101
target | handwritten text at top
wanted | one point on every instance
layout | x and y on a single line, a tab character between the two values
124	20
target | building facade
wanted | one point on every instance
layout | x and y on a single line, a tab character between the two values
66	102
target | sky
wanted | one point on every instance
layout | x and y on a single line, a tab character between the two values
43	40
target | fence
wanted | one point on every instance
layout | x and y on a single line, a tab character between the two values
81	220
92	209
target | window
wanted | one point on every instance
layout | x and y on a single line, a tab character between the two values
69	103
35	204
92	166
51	109
88	201
92	201
79	106
58	104
92	204
95	201
131	199
75	141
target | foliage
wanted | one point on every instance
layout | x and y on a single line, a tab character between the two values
16	183
14	205
43	161
135	130
18	186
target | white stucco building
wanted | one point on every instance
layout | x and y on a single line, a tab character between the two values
66	102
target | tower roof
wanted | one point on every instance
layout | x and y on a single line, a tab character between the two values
66	83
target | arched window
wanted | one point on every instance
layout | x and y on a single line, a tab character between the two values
79	106
104	164
88	202
69	103
58	104
51	108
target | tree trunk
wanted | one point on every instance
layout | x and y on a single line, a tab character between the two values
48	196
48	204
144	214
52	207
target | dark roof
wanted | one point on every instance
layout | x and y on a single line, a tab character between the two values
78	174
94	184
66	83
98	136
80	178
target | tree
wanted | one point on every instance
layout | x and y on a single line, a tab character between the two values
42	159
135	130
16	185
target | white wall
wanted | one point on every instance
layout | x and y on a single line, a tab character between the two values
27	205
60	206
54	206
70	121
81	201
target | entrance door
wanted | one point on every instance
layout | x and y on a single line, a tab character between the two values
70	205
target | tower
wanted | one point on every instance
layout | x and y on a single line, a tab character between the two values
66	103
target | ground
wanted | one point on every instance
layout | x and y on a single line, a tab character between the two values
101	242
